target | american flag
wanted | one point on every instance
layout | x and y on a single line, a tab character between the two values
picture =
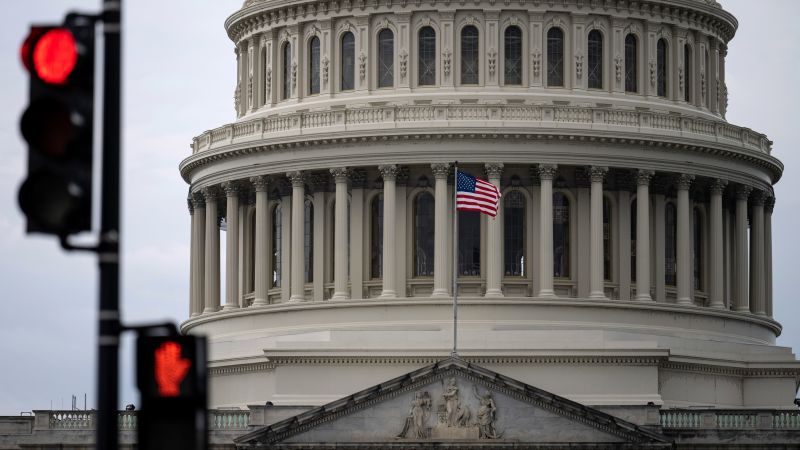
474	194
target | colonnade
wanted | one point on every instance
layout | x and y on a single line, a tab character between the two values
739	270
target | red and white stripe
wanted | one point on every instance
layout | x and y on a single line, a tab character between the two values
485	199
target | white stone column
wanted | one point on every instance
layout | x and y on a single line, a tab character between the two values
298	215
231	245
262	256
442	232
212	252
716	234
741	292
341	177
757	285
198	262
494	244
389	173
624	221
643	235
546	174
768	208
192	258
596	287
684	238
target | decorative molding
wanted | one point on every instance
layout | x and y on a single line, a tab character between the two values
643	177
492	60
547	171
403	64
388	172
597	173
297	178
743	192
325	70
260	183
446	61
494	170
340	174
362	66
717	186
536	58
684	181
440	170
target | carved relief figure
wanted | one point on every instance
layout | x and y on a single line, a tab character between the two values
487	414
457	415
414	427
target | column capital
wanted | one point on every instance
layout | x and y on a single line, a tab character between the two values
198	200
260	183
210	193
717	186
388	172
758	197
440	170
190	204
547	171
231	188
684	181
297	178
341	174
643	177
743	192
769	205
494	170
597	173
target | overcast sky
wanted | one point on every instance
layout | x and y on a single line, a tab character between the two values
178	81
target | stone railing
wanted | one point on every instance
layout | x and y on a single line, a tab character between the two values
730	419
533	117
218	420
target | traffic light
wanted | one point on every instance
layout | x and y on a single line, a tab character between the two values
171	375
58	125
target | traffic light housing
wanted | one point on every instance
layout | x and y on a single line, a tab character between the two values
171	376
58	126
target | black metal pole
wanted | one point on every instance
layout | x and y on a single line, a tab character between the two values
108	255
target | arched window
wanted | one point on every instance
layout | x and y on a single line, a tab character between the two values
423	235
286	92
276	246
313	66
595	60
512	53
671	244
698	250
376	237
264	75
469	55
514	234
385	58
308	241
469	243
662	60
348	62
426	75
606	239
560	235
555	57
633	239
631	63
687	73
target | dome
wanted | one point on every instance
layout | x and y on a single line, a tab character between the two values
630	259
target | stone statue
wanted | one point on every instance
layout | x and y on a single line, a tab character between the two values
414	427
457	415
487	414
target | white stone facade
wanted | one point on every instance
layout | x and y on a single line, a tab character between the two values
630	262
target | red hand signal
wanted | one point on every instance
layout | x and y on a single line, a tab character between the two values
170	369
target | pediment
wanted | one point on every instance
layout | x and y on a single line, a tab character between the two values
453	401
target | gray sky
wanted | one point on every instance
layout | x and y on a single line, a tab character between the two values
179	79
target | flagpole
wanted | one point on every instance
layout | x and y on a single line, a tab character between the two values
455	259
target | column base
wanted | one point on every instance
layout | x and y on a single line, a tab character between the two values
743	309
340	296
547	293
440	293
644	298
208	310
296	299
388	294
494	293
194	314
598	295
230	307
717	306
685	301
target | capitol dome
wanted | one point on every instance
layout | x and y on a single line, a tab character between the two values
630	262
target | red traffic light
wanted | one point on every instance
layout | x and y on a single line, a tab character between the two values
51	54
170	368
